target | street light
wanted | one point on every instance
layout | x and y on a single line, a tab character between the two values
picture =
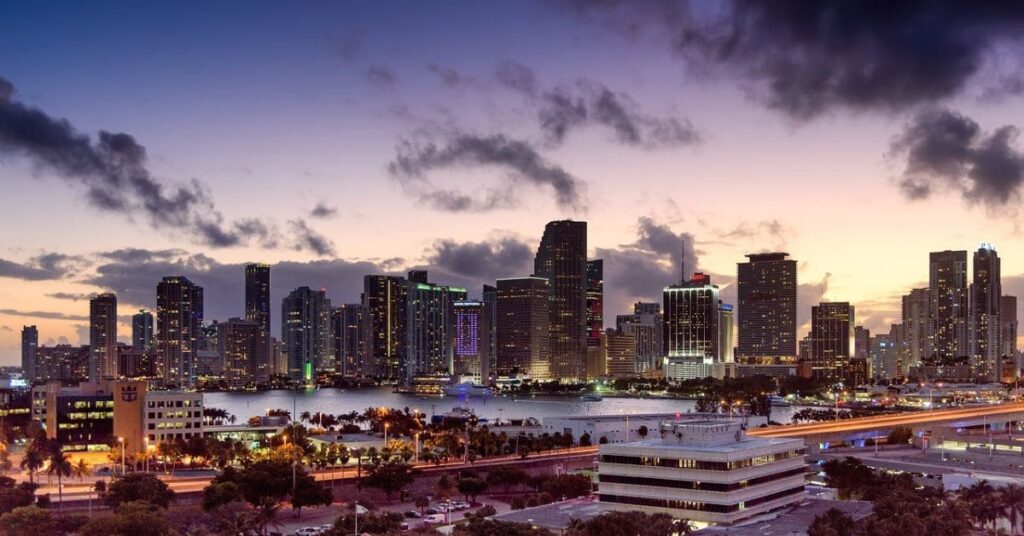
416	449
385	435
121	439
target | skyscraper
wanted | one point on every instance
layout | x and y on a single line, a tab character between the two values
179	319
916	340
350	329
306	333
29	345
832	343
431	326
103	337
523	327
490	299
1008	319
692	330
985	328
620	354
386	304
142	331
947	304
472	339
647	328
766	290
257	295
245	349
562	260
595	302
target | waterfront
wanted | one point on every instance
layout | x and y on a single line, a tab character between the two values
335	401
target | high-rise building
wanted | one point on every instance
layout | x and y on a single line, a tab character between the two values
29	345
490	299
1008	320
244	347
179	320
917	342
306	333
431	326
620	354
562	260
726	339
693	315
595	302
350	330
103	337
883	357
385	299
472	339
766	290
257	295
62	362
832	343
142	331
523	327
947	304
984	327
646	326
862	343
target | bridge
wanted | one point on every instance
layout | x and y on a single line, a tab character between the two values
863	431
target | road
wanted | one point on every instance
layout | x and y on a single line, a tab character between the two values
887	421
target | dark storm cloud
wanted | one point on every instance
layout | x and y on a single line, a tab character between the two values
381	77
321	210
521	162
308	239
805	57
130	255
809	295
517	77
483	261
44	267
112	170
72	296
945	150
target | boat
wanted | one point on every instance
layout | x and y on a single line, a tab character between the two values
779	402
467	389
591	398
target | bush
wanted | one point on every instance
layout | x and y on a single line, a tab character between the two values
901	435
518	503
139	487
29	520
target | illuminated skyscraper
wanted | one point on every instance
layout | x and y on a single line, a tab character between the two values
985	328
245	349
490	299
620	354
595	302
947	304
1008	319
562	260
29	345
142	331
257	295
350	330
179	318
306	333
646	325
523	327
431	327
385	298
103	337
472	339
693	329
831	337
766	290
916	331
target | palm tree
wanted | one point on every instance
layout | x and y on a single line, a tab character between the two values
82	469
1011	498
266	514
33	460
60	465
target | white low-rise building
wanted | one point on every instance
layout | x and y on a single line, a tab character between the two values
172	415
629	427
702	470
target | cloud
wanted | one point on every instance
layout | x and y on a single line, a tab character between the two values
72	296
52	315
321	210
5	328
381	77
521	162
44	267
482	261
308	239
517	77
944	150
806	58
349	47
112	170
448	76
807	296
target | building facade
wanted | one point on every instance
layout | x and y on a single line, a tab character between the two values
832	339
306	333
431	327
562	260
179	319
917	330
350	331
244	347
1008	321
620	354
766	291
103	337
29	345
694	333
646	325
142	331
948	304
385	299
472	339
523	337
985	329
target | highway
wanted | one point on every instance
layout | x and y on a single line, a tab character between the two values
887	421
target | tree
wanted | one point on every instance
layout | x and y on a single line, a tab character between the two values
82	469
219	494
372	523
444	487
309	493
422	502
900	435
130	519
632	523
642	431
389	477
29	521
1011	499
139	487
60	465
478	525
33	459
585	439
832	523
471	487
506	476
14	495
567	486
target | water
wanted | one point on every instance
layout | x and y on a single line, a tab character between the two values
335	401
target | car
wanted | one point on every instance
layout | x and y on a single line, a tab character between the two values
413	514
324	529
307	531
460	505
433	519
432	511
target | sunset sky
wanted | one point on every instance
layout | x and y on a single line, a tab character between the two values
339	139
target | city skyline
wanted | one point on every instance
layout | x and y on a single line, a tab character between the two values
321	138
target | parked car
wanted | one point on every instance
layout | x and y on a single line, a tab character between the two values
460	505
324	529
307	531
413	514
433	519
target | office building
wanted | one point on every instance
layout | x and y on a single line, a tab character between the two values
831	336
1008	321
62	362
103	337
646	325
142	331
947	304
179	319
169	416
490	299
693	329
385	299
726	339
132	363
707	471
243	345
562	260
766	288
917	331
523	339
257	295
861	343
595	302
306	333
29	344
984	327
883	357
472	339
431	327
620	355
350	331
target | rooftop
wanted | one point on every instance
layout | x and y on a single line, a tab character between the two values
790	521
555	516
